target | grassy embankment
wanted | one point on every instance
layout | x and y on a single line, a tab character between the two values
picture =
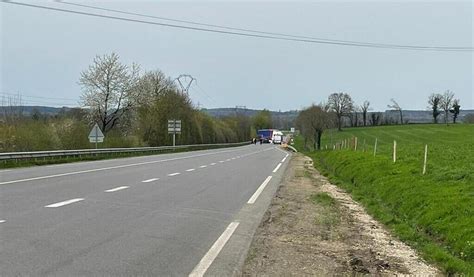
434	213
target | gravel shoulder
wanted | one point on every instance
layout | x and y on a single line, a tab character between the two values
315	228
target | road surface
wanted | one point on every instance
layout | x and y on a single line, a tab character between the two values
169	214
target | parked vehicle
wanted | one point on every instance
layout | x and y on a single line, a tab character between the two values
265	134
277	137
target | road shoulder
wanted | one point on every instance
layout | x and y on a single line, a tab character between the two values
314	228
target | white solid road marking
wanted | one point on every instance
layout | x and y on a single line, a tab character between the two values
211	255
276	168
67	202
117	189
174	174
203	166
213	164
150	180
191	169
1	221
259	190
118	166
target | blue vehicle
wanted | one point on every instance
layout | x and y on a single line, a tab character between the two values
265	134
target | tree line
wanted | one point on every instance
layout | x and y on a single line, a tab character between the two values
132	108
340	110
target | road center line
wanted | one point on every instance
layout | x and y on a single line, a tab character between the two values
191	169
276	168
213	164
150	180
203	166
228	160
211	255
67	202
117	189
221	161
1	221
174	174
259	190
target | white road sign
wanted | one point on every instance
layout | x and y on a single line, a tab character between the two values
96	135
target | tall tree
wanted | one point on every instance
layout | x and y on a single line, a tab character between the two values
262	120
433	101
312	122
365	108
455	109
395	106
108	90
445	104
342	105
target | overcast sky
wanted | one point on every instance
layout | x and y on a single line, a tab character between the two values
43	52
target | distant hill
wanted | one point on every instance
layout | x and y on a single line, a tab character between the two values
281	120
29	110
414	116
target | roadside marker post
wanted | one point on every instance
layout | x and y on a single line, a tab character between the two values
426	157
375	147
394	151
355	144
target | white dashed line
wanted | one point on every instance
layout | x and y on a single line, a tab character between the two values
116	189
191	169
221	161
259	190
1	221
67	202
276	168
213	164
117	167
228	160
150	180
211	255
203	166
174	174
233	158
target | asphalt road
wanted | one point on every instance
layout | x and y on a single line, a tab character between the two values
144	216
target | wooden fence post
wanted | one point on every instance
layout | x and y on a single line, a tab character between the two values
426	157
375	147
394	151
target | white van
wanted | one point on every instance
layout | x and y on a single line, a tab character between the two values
277	137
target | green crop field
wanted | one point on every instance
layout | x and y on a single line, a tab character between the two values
434	212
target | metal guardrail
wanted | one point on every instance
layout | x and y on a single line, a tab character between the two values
85	152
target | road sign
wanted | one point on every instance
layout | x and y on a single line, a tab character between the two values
96	135
174	127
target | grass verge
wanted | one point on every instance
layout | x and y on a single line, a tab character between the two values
434	213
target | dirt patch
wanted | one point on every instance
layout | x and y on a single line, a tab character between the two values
314	228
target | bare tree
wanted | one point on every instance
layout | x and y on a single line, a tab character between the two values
445	104
342	105
433	101
455	109
109	89
395	106
365	108
375	119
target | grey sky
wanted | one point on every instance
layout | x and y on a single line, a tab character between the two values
43	52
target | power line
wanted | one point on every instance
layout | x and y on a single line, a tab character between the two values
430	48
39	97
264	32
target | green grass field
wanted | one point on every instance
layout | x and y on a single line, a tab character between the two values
434	213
